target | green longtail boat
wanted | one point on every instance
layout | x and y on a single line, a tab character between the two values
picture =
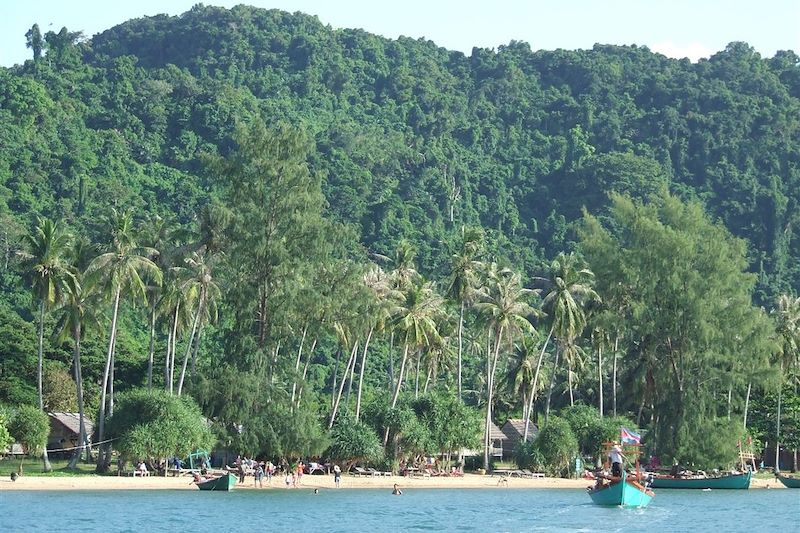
789	482
730	481
225	482
622	492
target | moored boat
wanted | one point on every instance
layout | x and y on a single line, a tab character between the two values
729	481
788	481
621	492
225	482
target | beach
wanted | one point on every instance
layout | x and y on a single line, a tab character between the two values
324	482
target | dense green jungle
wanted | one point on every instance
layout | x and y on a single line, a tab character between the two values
330	243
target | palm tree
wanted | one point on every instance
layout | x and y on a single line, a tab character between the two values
463	279
505	311
788	330
77	315
386	301
568	292
119	270
201	283
49	273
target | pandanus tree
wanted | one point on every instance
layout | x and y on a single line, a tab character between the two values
505	310
118	271
569	290
462	283
49	274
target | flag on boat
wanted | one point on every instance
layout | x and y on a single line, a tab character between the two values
629	437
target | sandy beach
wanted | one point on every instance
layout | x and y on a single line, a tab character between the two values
469	481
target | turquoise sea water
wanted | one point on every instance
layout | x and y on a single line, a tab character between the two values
375	511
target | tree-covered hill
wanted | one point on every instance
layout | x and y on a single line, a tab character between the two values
375	149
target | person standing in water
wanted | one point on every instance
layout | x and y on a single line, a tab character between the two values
397	491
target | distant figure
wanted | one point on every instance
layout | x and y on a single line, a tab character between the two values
316	491
14	476
258	476
616	457
337	475
141	470
397	491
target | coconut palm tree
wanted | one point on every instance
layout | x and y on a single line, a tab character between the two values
569	290
78	313
502	304
48	273
201	283
120	270
463	280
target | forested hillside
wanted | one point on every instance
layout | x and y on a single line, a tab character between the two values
303	198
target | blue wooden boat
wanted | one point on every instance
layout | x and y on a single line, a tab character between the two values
730	481
789	482
225	482
621	492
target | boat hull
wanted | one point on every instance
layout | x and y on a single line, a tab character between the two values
622	493
734	481
222	483
789	482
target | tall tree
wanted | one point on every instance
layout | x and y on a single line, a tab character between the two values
463	278
119	270
48	273
569	290
503	305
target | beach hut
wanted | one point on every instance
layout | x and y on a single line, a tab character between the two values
64	431
513	430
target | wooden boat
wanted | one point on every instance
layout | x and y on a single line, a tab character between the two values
730	481
788	481
224	482
621	492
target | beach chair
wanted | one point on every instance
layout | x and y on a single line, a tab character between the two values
358	471
371	472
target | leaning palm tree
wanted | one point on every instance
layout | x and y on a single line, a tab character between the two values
48	273
568	292
78	313
119	270
201	282
463	280
505	310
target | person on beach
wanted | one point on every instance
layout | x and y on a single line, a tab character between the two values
616	457
258	476
396	491
289	479
337	475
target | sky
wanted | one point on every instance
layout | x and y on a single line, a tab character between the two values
676	28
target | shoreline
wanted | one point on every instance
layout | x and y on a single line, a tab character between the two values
469	481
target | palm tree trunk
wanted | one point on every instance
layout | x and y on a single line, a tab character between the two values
76	361
167	379
460	345
614	378
174	348
569	384
101	419
41	356
189	346
350	362
416	375
297	363
197	340
730	398
552	383
490	394
747	403
399	385
536	382
152	349
361	371
600	377
45	458
305	372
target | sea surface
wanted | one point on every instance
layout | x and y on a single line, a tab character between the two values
373	510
